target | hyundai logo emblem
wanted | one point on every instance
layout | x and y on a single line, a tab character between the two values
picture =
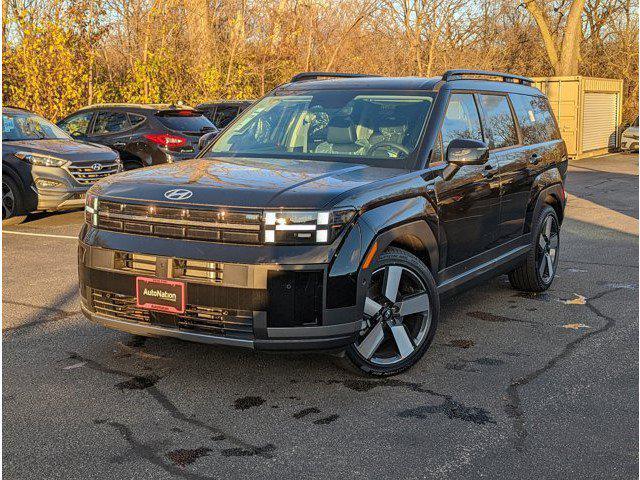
96	167
178	194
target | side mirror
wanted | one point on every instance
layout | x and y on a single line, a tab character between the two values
207	138
461	152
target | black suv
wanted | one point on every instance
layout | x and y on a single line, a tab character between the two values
334	215
43	168
222	112
143	134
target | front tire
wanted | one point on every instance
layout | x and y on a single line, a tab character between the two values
401	309
537	272
12	203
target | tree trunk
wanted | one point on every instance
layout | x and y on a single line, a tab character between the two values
545	33
570	57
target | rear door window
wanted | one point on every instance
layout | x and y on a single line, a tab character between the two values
500	124
461	120
135	120
186	122
110	122
535	118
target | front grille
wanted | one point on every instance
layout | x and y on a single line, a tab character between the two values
118	306
196	318
87	175
195	224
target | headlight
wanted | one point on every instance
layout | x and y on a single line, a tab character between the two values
40	159
305	227
91	209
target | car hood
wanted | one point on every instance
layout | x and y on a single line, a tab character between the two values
67	149
244	182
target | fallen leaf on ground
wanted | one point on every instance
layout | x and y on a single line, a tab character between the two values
579	300
575	326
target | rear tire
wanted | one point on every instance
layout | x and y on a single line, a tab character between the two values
12	203
402	310
537	272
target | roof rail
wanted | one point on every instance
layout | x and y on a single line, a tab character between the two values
315	75
17	108
506	77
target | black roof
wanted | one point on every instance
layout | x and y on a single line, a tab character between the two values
139	107
214	103
454	79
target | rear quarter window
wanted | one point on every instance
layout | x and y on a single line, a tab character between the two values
535	118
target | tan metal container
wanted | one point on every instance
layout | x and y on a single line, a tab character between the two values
589	112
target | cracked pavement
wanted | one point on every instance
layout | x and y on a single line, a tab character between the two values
514	386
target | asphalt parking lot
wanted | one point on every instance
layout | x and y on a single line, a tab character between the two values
514	386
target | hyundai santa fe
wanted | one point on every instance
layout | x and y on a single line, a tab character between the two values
333	215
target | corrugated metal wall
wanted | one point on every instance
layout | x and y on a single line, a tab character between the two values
588	111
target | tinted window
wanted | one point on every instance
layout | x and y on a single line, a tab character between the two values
28	126
347	124
501	126
186	122
224	115
77	125
535	118
136	120
461	120
110	122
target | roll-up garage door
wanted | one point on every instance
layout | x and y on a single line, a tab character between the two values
599	121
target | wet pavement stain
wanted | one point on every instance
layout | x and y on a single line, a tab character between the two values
452	410
490	317
244	403
460	367
489	361
461	343
306	411
326	420
184	457
542	297
248	452
138	383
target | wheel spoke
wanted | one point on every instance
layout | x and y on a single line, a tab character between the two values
543	265
549	265
371	307
415	304
552	253
542	241
400	335
391	282
372	341
547	226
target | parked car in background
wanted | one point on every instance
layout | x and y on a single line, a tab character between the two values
334	214
221	113
629	139
43	168
143	134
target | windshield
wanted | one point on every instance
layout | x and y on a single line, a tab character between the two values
351	125
28	126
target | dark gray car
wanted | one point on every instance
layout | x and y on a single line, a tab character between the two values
43	168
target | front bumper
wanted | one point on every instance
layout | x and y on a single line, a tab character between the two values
264	306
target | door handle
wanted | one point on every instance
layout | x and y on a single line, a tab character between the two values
119	144
534	159
489	171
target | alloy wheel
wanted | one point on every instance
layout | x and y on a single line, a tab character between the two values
398	314
8	201
547	249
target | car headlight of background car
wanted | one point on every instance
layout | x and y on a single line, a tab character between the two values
40	159
305	227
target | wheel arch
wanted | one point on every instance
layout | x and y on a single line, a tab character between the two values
547	189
